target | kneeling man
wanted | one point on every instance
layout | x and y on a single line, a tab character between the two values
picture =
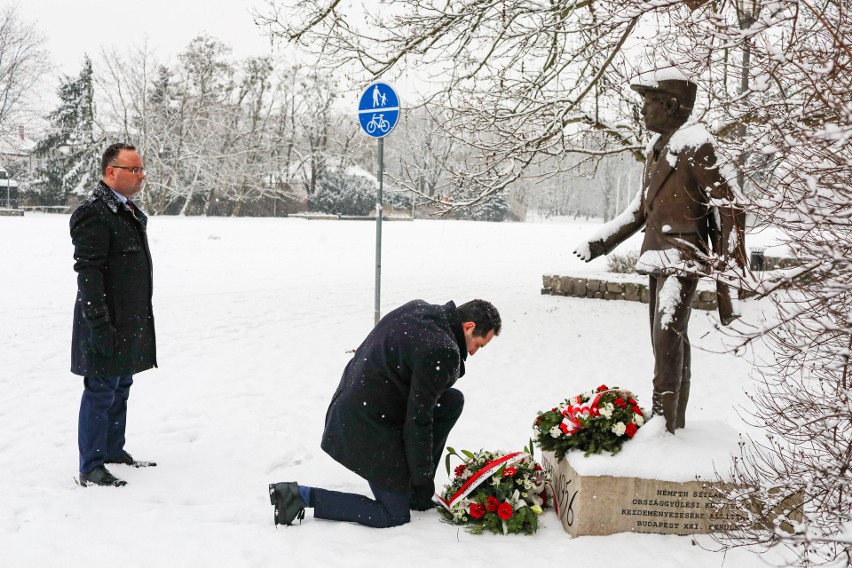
391	415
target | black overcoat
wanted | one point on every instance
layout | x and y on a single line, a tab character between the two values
114	286
379	422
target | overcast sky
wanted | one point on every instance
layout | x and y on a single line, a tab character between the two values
76	27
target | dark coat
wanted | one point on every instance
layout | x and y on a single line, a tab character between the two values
114	286
379	422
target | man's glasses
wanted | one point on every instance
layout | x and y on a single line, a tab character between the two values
135	170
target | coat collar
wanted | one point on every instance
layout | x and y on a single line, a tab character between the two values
657	172
103	192
455	322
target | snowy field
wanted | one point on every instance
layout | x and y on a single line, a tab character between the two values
255	321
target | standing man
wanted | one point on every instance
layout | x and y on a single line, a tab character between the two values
113	336
392	413
687	207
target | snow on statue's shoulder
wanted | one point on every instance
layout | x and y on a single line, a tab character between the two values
690	136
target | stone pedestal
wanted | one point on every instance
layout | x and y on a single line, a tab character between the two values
603	504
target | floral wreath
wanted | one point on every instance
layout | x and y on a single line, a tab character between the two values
495	491
592	422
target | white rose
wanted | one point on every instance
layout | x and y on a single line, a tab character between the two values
619	429
607	409
555	432
638	419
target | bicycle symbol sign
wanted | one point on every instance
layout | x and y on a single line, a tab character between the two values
378	110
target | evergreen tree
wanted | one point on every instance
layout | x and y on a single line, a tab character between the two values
71	150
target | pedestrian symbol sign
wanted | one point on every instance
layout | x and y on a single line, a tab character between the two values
378	110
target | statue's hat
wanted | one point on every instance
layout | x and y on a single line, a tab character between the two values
669	80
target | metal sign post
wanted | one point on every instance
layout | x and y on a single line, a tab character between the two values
378	113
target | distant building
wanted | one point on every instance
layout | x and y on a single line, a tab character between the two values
16	153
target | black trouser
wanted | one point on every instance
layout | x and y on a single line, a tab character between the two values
391	507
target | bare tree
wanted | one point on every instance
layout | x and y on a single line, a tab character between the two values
23	62
524	81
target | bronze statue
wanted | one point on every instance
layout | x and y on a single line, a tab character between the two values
687	207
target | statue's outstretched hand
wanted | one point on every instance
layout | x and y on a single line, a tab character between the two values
590	251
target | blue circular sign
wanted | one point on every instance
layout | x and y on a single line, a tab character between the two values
378	110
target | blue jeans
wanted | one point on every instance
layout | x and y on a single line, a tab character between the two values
103	416
390	509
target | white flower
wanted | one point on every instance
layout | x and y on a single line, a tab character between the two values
619	429
459	513
638	419
606	410
555	432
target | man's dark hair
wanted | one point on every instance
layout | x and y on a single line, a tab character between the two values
483	314
111	153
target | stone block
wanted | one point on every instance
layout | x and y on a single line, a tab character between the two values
613	296
631	292
580	287
555	285
644	295
615	287
593	285
599	295
603	504
567	285
545	280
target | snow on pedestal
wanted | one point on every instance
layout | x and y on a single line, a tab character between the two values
658	483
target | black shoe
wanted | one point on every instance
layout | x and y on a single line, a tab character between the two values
100	476
287	502
127	459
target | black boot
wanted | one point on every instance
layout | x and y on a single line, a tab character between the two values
665	404
288	503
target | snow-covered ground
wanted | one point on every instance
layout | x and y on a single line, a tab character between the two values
256	319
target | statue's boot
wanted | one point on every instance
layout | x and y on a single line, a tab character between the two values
665	404
682	400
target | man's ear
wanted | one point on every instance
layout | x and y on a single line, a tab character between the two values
672	104
468	326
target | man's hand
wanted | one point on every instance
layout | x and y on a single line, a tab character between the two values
590	251
420	496
102	340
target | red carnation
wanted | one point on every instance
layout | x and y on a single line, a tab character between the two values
509	472
631	402
620	402
631	429
505	511
637	410
491	504
603	388
460	470
477	510
537	468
